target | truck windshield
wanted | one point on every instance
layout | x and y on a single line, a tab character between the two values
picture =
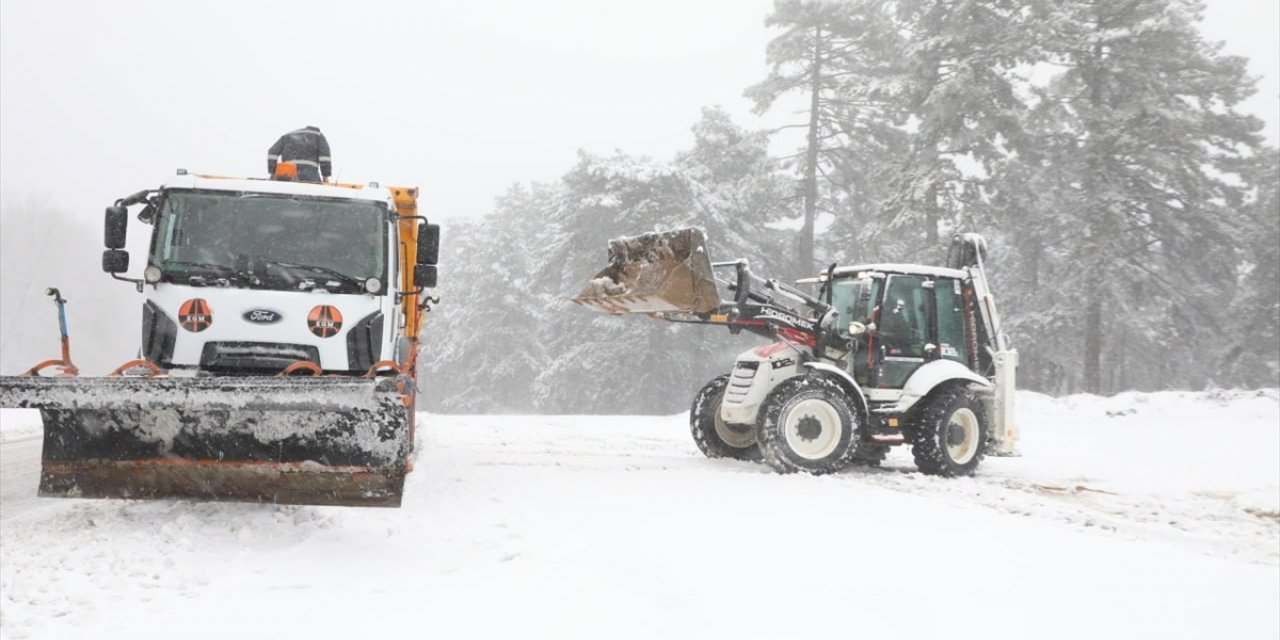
270	241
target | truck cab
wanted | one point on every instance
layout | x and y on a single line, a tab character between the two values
247	276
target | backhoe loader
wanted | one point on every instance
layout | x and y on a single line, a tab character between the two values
880	355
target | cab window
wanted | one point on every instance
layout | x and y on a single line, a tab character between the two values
952	342
854	299
903	323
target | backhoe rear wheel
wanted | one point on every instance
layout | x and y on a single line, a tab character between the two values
948	433
806	424
714	437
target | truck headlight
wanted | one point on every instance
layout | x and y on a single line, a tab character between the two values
151	274
373	285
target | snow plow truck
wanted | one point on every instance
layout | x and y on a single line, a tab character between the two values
882	355
280	327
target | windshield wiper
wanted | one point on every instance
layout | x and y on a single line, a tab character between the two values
220	268
327	272
223	274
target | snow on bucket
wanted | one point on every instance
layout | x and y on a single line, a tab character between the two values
654	272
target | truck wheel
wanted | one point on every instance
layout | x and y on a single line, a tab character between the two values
806	424
714	437
948	434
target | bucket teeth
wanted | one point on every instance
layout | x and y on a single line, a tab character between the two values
654	272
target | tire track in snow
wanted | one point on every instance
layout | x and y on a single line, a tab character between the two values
1209	524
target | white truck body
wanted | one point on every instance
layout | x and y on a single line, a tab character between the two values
224	321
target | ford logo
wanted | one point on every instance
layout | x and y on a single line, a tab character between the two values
262	316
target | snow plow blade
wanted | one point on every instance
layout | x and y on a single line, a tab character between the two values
317	441
652	273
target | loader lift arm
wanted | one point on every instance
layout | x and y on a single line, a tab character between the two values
764	307
668	276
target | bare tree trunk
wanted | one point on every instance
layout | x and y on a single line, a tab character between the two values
931	217
805	259
1093	280
1093	343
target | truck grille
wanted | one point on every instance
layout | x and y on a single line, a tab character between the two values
254	356
740	383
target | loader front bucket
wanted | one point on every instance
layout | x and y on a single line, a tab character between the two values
654	272
320	441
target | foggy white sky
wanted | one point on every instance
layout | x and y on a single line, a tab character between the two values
101	99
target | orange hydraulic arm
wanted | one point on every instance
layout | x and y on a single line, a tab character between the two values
406	199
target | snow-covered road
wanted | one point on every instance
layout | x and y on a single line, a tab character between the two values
1134	516
19	474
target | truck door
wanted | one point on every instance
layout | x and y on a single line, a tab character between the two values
902	329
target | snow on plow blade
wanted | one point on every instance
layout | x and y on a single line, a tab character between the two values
654	272
321	441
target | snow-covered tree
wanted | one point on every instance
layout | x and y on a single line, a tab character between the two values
1250	341
1144	139
961	92
507	336
726	184
832	53
481	356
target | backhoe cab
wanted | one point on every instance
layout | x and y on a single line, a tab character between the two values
880	355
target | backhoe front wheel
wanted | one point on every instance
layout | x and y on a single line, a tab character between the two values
949	432
714	437
806	424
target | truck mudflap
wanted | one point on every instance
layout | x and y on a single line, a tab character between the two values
653	273
286	440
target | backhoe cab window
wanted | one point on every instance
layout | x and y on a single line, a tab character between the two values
853	300
952	342
274	242
904	317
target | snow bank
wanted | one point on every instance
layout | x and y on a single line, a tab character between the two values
1134	516
19	424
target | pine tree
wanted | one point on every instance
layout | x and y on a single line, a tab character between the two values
1145	135
480	357
962	95
726	184
1249	349
824	50
508	338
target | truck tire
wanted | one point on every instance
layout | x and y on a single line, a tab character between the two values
714	437
807	424
948	433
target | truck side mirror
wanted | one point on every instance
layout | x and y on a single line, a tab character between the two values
117	225
115	260
424	275
429	244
